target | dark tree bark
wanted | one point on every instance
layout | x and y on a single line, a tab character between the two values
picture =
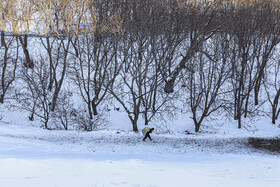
202	22
9	63
24	44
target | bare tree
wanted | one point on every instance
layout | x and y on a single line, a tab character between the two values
128	89
64	115
9	59
25	13
95	64
242	25
137	87
201	21
272	88
9	52
268	39
34	96
205	78
69	22
95	69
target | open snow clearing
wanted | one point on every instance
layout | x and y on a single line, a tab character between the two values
31	156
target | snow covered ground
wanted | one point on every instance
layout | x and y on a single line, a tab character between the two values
226	170
31	156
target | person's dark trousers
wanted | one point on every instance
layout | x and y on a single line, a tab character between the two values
147	135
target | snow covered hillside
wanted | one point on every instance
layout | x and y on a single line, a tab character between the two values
80	79
30	156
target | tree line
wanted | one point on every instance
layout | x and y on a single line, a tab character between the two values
67	61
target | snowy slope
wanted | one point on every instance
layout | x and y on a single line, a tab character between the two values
218	156
30	156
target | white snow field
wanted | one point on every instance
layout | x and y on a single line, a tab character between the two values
31	156
203	171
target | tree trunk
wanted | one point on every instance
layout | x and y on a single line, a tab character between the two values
197	126
273	115
58	87
235	106
46	123
54	99
31	117
94	107
49	49
89	111
134	125
261	74
29	63
169	86
146	118
3	76
2	38
2	98
274	107
246	107
239	121
256	95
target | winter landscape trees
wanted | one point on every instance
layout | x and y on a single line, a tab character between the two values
67	61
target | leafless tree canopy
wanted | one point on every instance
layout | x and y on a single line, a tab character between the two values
151	57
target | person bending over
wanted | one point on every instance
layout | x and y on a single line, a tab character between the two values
146	132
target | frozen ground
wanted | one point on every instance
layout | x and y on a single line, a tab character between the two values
223	171
30	156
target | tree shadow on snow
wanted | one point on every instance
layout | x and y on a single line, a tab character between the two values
270	144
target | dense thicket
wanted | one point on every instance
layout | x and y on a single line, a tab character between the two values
68	61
